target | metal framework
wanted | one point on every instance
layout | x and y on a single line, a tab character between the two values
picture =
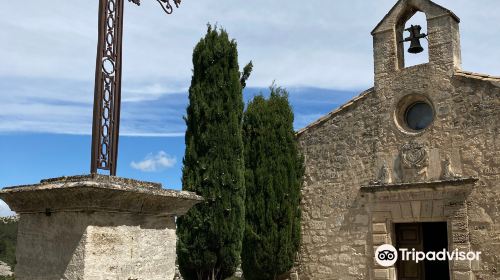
107	91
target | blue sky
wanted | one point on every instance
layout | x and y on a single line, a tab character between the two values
320	50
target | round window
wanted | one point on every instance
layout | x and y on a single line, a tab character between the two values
414	113
419	116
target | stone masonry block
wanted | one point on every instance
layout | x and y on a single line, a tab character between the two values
460	237
415	208
460	275
406	210
379	228
459	225
426	211
378	217
462	265
381	274
437	208
379	239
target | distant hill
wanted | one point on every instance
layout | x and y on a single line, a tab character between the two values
8	241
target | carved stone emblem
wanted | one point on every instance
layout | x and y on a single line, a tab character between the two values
414	161
414	155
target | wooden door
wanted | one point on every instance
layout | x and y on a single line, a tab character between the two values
410	236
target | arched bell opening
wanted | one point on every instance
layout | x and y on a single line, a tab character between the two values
411	35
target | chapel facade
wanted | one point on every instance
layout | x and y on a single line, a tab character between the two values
413	162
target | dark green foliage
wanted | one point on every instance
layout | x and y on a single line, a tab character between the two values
247	70
273	178
8	240
209	236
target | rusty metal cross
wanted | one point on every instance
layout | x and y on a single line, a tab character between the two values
107	91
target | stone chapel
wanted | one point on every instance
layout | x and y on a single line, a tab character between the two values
413	162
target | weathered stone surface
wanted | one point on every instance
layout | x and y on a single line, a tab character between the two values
79	245
379	228
346	150
96	227
460	275
99	193
382	274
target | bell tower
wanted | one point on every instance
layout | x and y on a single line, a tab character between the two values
443	36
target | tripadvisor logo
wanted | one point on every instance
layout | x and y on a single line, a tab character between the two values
386	255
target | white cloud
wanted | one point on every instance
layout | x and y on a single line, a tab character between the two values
154	163
322	43
153	134
22	110
5	210
150	92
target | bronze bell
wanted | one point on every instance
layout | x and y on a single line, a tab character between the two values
415	46
414	39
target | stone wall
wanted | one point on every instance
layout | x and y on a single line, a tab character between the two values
339	159
363	140
69	239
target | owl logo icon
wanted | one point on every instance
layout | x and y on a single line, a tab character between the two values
386	255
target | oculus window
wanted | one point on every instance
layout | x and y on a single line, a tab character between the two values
419	116
414	113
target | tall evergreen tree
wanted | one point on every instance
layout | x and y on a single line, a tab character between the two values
273	178
210	235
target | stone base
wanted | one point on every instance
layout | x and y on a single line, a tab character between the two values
96	228
83	245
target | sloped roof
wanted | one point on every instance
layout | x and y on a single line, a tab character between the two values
477	76
337	111
356	100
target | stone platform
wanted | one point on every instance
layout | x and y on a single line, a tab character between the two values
96	227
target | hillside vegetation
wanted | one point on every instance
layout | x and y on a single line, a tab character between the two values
8	238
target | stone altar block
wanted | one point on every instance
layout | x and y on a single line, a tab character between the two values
96	227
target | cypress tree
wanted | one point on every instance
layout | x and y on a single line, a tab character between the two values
210	235
273	178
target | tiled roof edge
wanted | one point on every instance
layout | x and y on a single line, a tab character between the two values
478	76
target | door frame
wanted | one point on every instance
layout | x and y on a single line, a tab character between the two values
419	203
